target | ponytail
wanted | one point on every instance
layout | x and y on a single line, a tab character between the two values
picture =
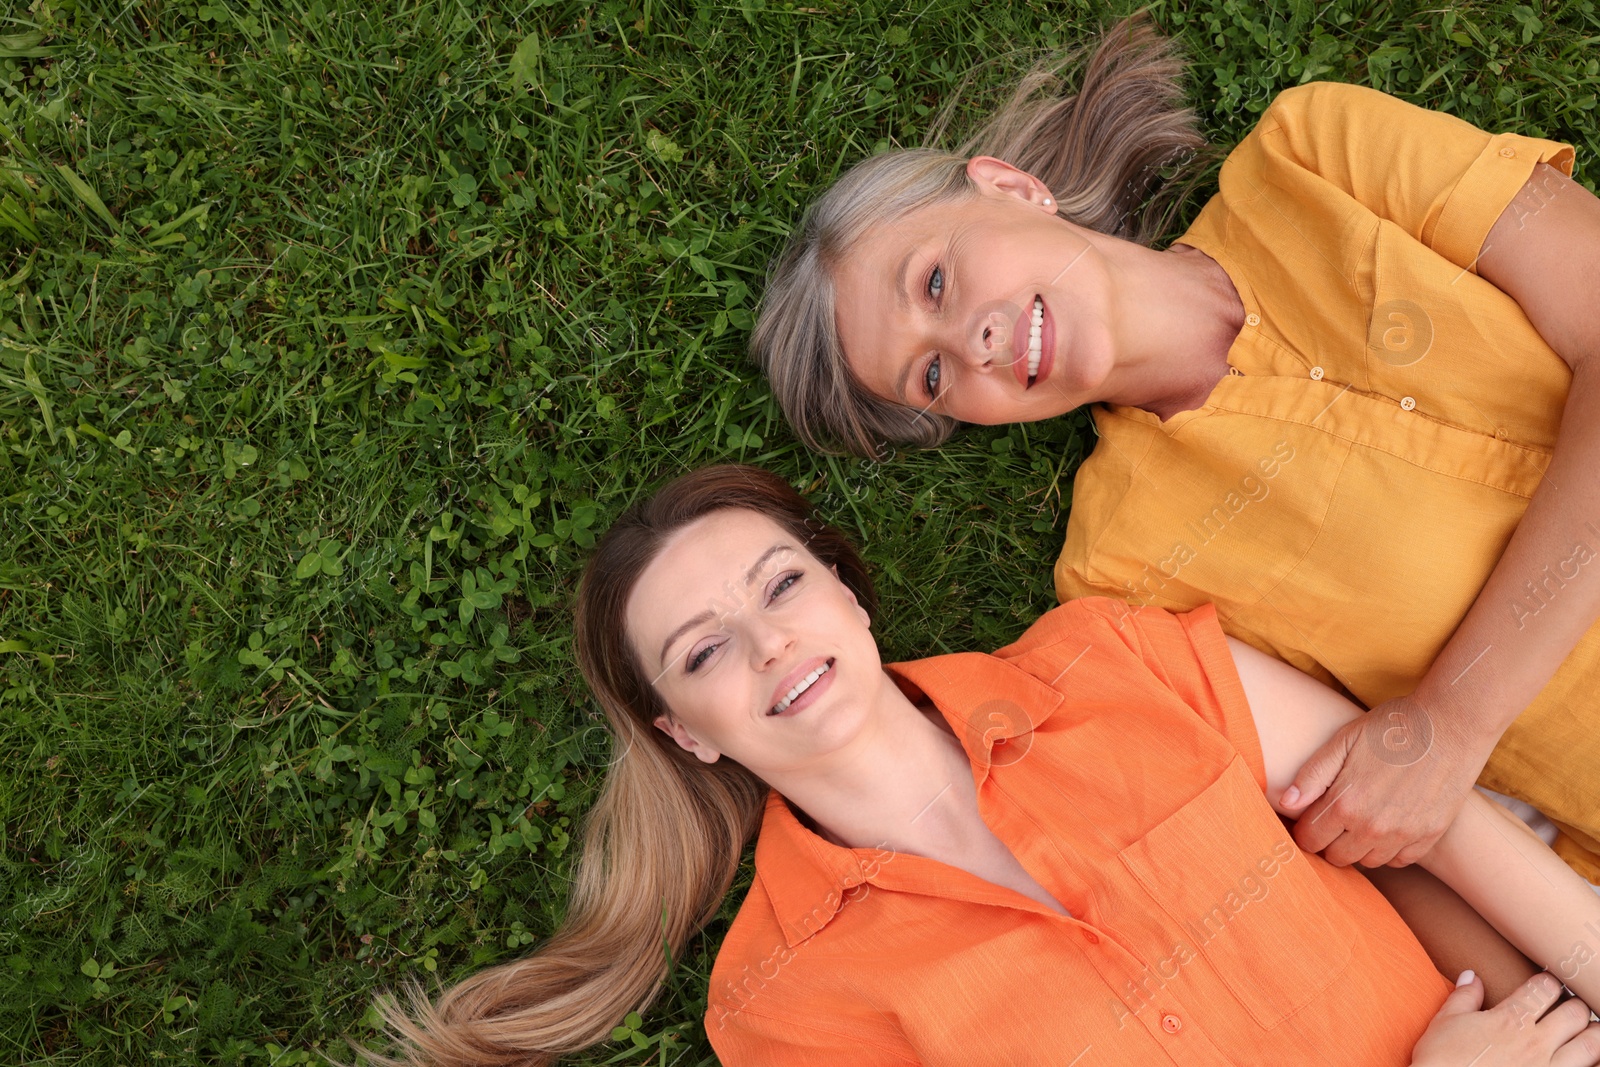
1100	150
660	849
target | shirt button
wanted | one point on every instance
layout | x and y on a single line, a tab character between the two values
1316	374
1235	371
1171	1023
1252	319
1091	937
1407	403
1508	152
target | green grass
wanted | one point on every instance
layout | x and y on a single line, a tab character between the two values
330	336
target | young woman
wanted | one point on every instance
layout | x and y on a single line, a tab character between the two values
1060	853
1356	405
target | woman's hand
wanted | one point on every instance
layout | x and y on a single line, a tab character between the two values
1385	787
1487	855
1510	1034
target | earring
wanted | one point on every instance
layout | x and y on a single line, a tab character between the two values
1048	201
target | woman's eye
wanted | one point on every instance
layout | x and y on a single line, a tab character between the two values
700	657
784	583
936	283
930	379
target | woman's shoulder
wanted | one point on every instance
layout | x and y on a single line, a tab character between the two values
1328	99
1348	145
1321	112
1102	635
1429	171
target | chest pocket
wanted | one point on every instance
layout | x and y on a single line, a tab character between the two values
1466	355
1242	895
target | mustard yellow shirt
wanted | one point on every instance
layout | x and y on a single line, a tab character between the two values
1347	488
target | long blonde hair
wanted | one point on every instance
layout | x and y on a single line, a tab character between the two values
661	845
1099	150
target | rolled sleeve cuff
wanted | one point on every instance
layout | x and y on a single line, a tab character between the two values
1489	185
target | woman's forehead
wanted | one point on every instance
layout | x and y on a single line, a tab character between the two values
713	563
718	548
892	236
913	239
873	290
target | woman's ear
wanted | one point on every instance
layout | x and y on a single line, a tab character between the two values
687	741
861	611
997	177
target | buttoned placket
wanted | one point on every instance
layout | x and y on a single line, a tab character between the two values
1166	1017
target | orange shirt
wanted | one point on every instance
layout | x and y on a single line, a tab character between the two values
1115	755
1345	492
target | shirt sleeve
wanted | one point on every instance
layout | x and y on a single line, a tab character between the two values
1442	179
1189	654
747	1039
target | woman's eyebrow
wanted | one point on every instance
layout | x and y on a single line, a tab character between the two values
905	305
750	575
900	279
705	616
900	382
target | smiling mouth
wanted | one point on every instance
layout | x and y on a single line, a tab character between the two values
805	683
1035	340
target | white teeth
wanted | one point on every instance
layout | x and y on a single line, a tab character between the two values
804	684
1036	339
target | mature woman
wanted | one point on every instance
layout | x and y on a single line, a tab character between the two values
1062	852
1356	405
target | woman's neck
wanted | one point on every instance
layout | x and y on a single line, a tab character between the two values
904	785
1178	316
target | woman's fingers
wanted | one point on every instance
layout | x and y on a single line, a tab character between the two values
1319	772
1466	997
1527	1006
1577	1040
1517	1032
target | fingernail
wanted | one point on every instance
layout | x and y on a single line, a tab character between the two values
1291	797
1465	979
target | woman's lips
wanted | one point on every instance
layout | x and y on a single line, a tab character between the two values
1019	345
810	696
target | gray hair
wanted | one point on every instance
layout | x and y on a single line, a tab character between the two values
1099	151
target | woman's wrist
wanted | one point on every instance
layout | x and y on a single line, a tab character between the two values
1470	720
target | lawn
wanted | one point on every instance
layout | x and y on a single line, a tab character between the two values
332	334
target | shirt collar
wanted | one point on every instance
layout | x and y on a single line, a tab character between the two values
989	702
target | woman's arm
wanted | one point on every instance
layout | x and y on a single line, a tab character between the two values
1495	864
1501	868
1544	252
1455	936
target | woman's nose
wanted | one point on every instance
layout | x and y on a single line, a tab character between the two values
988	336
767	642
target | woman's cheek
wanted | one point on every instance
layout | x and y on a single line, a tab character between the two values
735	702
